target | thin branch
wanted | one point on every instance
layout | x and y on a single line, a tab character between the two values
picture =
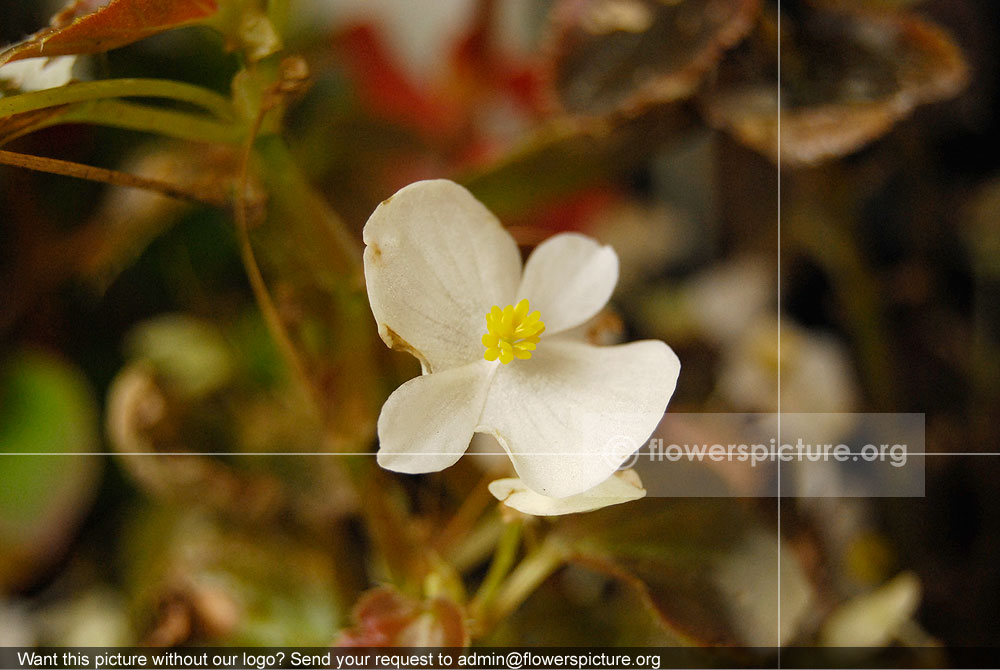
202	196
254	274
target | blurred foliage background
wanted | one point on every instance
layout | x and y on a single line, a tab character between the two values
232	321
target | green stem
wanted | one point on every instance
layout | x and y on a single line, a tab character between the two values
119	88
475	545
528	576
503	561
169	123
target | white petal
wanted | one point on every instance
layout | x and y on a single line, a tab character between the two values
568	278
572	414
38	74
436	262
621	487
427	423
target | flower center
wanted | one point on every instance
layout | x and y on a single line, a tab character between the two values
512	332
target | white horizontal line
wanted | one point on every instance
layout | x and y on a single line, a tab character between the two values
685	458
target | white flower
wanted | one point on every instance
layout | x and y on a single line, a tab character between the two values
445	284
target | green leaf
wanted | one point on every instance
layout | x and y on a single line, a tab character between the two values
583	607
567	155
228	586
46	407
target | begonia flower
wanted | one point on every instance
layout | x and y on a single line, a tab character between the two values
446	284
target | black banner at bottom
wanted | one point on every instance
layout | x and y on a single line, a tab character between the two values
487	658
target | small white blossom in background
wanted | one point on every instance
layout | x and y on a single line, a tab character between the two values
16	627
37	74
647	239
97	617
816	377
876	619
717	304
724	300
445	283
768	606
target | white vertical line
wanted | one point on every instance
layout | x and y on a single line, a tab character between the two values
779	333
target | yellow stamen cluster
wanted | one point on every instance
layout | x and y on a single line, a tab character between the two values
512	332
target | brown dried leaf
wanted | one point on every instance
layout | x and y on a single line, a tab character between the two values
846	79
85	26
624	55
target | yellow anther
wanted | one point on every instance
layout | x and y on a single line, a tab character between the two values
512	332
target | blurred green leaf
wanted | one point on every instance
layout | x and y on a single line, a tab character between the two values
46	406
316	305
197	580
704	566
569	154
190	352
580	606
